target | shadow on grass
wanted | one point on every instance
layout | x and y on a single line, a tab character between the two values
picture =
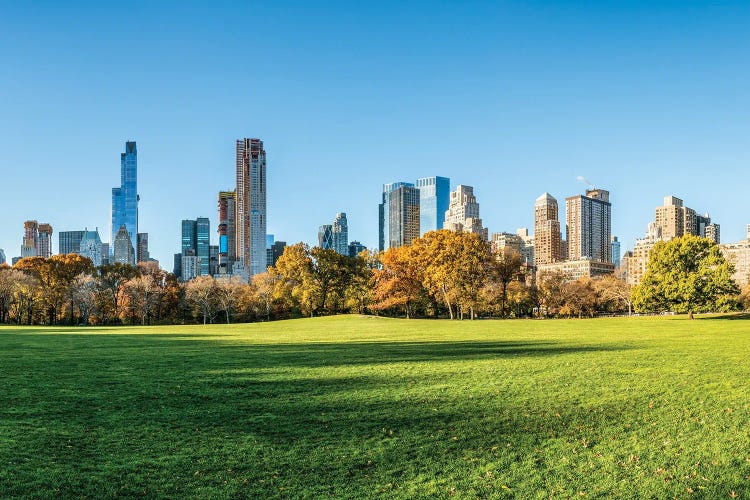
743	315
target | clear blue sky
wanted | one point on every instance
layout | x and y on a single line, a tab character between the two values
515	98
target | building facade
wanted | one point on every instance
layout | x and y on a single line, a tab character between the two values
203	244
615	245
463	212
123	252
2	257
340	234
30	242
251	205
125	197
325	237
738	254
384	217
91	247
403	216
226	231
44	241
434	198
589	226
141	253
70	241
356	248
576	269
547	237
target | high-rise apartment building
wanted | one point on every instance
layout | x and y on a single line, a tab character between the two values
70	241
547	238
589	226
227	230
615	245
125	197
340	234
251	205
738	254
213	260
403	216
384	217
105	254
2	257
177	267
190	266
44	241
141	253
30	243
275	251
747	233
527	249
203	244
463	212
712	232
91	246
325	236
123	253
434	198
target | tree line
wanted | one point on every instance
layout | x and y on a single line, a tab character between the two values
442	274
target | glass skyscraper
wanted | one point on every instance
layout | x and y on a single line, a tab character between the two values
384	213
434	197
251	205
203	243
125	197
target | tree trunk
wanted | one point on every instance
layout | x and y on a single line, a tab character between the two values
690	315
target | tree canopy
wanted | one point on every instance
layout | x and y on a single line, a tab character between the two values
686	275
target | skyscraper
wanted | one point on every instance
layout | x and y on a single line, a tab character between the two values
30	242
123	253
403	216
325	236
125	197
70	241
91	247
189	236
589	226
615	251
203	244
2	257
226	230
463	212
547	238
142	250
251	205
44	241
434	197
384	218
340	234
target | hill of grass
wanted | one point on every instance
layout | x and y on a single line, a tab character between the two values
360	407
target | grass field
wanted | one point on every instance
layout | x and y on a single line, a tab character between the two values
361	407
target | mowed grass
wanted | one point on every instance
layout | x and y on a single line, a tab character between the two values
361	407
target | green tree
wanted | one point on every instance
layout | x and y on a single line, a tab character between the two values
686	275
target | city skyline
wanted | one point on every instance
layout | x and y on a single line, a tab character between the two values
536	98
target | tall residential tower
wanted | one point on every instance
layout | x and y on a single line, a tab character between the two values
251	205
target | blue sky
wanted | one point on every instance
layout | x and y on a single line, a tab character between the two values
645	99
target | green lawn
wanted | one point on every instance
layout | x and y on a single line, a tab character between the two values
361	407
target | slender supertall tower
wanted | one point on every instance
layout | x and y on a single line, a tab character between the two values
125	199
251	205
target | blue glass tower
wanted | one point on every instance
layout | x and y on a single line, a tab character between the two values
434	197
203	243
125	197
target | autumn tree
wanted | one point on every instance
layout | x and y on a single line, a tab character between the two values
579	298
686	275
228	292
399	282
614	293
110	282
550	292
505	267
201	294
